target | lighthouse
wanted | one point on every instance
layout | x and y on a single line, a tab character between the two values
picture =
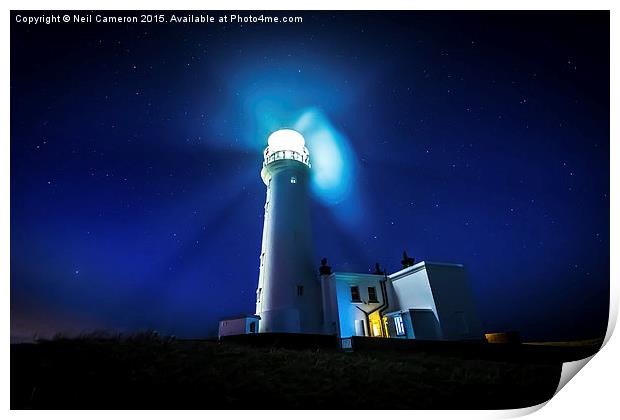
288	295
425	300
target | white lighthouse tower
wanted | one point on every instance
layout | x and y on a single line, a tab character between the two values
288	295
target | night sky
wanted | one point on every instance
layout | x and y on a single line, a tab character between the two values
475	137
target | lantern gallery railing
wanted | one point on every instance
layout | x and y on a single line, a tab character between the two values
287	154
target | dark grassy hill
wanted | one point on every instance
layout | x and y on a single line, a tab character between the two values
148	371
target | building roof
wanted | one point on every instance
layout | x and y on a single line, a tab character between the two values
342	275
398	274
242	316
419	266
349	274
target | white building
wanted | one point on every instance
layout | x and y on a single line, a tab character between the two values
427	301
430	301
237	325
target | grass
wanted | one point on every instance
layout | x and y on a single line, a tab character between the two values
152	372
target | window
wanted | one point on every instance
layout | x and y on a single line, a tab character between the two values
355	294
372	295
258	294
253	326
293	180
300	290
400	328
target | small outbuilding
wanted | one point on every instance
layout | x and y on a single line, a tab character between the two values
241	324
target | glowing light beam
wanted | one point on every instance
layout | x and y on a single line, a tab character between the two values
334	166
